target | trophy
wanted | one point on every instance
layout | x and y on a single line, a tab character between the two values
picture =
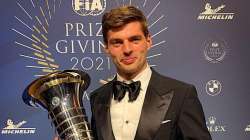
60	93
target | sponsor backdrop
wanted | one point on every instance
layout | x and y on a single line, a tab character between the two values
203	42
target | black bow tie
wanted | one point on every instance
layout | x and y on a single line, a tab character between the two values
120	88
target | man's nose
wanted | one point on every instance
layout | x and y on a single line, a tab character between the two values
127	48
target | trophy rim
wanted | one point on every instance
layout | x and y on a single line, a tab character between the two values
41	84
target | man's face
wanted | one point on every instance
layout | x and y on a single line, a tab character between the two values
128	48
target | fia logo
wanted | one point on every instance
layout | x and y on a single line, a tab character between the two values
88	7
212	126
210	13
12	128
214	50
213	87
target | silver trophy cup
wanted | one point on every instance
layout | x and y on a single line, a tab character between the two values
61	94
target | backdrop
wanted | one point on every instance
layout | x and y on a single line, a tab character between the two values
203	42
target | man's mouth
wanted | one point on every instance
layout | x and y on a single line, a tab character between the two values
128	60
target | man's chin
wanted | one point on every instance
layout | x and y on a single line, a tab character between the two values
130	71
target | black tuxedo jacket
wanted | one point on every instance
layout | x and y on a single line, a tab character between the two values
171	111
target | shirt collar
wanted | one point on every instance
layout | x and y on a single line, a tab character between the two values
143	77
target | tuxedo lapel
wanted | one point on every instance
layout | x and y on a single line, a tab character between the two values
103	113
157	100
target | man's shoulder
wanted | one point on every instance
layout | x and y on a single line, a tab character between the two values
101	90
180	88
162	80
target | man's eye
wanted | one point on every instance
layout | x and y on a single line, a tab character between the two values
116	43
136	40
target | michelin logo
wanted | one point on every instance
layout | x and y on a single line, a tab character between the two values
12	128
210	13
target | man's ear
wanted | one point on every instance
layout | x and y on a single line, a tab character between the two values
149	41
106	50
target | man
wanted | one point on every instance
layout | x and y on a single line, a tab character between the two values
139	103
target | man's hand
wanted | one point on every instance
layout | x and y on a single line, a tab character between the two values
56	138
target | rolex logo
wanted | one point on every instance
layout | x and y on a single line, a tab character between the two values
247	129
212	120
213	126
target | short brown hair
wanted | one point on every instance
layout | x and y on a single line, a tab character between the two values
121	16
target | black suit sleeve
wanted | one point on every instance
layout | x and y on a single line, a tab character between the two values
191	120
93	124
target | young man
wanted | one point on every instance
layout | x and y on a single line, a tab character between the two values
139	103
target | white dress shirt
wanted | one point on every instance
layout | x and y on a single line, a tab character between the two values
125	115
